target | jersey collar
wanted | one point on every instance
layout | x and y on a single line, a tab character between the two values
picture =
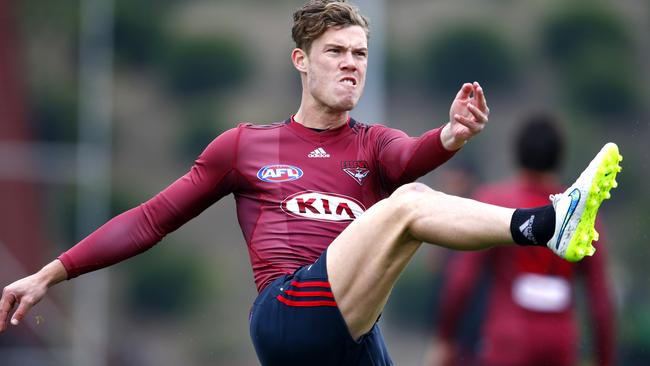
310	134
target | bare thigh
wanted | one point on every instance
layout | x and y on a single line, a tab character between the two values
367	258
363	265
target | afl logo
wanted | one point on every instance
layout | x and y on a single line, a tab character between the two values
322	206
279	173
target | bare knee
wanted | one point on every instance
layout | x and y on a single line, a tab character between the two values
410	199
412	191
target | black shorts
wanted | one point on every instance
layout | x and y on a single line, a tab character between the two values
295	321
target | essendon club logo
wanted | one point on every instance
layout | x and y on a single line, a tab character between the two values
357	169
322	206
279	173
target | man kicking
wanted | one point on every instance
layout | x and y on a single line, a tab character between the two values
328	209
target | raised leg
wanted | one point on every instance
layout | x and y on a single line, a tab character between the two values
366	259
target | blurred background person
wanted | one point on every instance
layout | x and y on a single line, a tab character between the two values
530	316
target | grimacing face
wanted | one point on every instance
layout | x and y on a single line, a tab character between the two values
336	67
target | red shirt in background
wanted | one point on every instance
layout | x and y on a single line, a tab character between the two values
530	317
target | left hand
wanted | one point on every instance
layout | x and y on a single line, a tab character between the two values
467	116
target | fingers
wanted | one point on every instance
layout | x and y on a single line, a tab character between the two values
23	308
477	113
465	91
479	97
7	303
469	111
473	126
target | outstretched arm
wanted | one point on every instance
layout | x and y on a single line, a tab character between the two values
27	292
139	229
133	231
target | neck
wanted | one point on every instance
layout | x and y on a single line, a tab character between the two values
321	118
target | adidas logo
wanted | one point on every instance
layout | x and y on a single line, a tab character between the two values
527	229
318	153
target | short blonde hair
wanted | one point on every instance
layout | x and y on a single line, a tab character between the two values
316	16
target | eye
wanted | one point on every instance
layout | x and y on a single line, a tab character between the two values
361	53
334	50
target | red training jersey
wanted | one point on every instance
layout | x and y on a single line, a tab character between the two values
295	189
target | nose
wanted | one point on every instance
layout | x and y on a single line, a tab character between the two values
348	62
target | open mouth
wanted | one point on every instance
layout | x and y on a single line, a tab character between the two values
349	81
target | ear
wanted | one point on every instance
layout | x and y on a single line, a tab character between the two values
299	59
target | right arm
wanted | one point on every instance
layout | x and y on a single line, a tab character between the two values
132	232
